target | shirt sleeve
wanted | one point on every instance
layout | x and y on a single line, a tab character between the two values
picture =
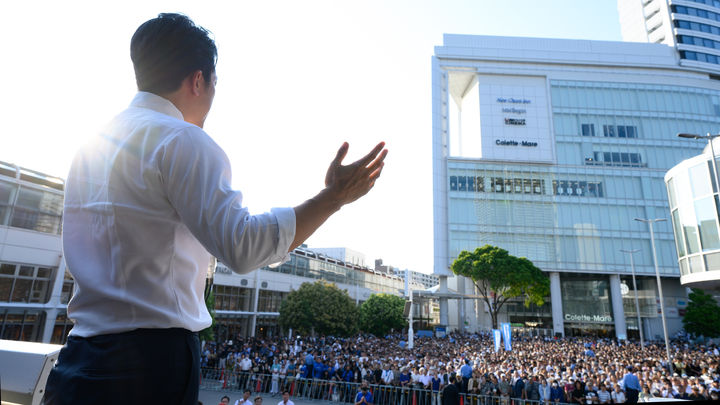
196	175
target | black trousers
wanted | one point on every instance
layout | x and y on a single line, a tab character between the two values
632	396
143	366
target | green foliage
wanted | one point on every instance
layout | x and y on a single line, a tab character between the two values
319	307
382	313
500	276
208	334
702	316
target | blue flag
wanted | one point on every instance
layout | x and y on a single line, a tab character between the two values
506	336
496	339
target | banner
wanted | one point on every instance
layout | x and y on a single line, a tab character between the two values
496	339
506	336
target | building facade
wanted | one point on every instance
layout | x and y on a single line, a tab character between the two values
694	209
249	304
692	27
550	149
35	286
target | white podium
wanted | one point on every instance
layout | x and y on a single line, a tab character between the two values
24	369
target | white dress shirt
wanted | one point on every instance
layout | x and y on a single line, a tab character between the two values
147	202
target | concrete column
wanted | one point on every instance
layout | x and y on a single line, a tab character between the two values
461	304
55	301
617	307
556	304
443	301
256	297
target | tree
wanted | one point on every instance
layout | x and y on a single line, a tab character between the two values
702	316
208	334
381	313
319	307
500	277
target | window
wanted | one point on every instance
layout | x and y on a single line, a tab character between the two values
453	183
25	325
577	188
587	129
28	284
67	288
480	184
609	131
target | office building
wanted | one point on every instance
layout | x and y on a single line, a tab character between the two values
691	27
550	149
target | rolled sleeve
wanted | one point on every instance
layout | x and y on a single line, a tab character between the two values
285	218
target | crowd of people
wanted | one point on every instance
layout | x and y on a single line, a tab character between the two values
557	370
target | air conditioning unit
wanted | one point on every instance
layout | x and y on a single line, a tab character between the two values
24	369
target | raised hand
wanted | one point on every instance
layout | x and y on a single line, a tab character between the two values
350	182
343	185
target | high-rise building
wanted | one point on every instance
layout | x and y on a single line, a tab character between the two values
691	27
550	149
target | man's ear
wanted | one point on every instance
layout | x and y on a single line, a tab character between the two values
197	80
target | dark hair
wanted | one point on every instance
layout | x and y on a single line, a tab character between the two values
166	49
247	391
225	396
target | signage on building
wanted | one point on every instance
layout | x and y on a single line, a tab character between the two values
588	318
511	142
514	121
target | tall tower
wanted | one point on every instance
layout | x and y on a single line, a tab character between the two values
692	27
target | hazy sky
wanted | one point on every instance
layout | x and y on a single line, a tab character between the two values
296	79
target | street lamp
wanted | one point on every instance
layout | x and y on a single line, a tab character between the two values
709	138
409	293
650	222
637	305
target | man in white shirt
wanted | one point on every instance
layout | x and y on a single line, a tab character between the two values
286	399
148	203
245	399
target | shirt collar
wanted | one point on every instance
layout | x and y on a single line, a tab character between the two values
154	102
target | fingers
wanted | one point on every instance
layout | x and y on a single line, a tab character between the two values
341	153
373	153
378	161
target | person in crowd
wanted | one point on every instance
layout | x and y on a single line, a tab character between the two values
544	391
631	384
258	400
286	399
224	400
451	392
577	395
603	395
364	397
557	394
618	396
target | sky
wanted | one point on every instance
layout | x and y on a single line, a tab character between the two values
295	80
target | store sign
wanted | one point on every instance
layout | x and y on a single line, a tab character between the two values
503	142
223	270
514	121
588	318
513	100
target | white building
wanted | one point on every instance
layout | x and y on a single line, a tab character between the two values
34	284
549	149
694	209
692	27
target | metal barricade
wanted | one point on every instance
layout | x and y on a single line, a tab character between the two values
338	392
